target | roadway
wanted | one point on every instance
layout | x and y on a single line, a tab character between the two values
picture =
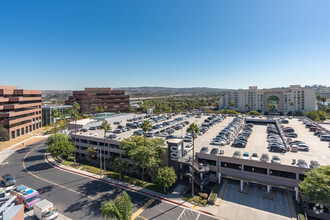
75	196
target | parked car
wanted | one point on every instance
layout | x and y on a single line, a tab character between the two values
264	158
278	148
255	157
84	129
8	180
204	150
296	142
314	164
188	147
246	156
303	147
237	154
214	151
112	136
291	135
117	131
276	159
302	163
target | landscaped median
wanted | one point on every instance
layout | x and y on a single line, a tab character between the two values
113	175
214	193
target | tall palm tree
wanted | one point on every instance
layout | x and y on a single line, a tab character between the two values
247	106
105	126
146	126
120	208
323	100
74	117
292	105
55	115
318	98
193	130
231	103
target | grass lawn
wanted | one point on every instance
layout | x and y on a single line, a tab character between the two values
6	144
113	175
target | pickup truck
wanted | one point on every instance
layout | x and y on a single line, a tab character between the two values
44	210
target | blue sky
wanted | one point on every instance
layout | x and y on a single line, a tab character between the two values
72	44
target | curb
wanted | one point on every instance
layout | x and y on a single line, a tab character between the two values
126	187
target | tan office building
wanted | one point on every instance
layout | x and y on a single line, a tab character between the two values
20	110
276	100
110	100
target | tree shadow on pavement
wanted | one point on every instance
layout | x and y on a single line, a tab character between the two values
45	189
39	167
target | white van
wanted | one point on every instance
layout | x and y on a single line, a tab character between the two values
325	138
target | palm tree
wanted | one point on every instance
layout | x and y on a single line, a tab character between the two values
146	126
231	103
55	115
74	117
318	98
105	126
247	106
323	100
193	130
120	208
292	105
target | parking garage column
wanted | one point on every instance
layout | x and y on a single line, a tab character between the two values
201	175
269	188
201	188
296	191
242	185
219	178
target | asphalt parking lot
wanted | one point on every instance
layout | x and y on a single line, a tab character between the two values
237	205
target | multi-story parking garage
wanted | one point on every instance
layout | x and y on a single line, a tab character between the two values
214	167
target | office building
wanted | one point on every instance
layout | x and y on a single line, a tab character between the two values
270	101
110	100
20	110
47	111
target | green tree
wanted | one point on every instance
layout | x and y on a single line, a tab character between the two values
231	103
165	177
247	106
146	126
318	98
316	185
120	208
4	135
74	117
193	130
312	115
119	166
91	154
145	156
62	148
59	137
55	115
292	105
253	113
105	126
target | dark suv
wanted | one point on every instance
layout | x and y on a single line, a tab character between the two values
278	148
8	180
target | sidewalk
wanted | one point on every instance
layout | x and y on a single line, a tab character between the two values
174	199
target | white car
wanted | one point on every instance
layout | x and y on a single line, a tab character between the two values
303	147
219	142
255	157
246	156
188	147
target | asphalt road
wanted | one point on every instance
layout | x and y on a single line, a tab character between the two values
79	197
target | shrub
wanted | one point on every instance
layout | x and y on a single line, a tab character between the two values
203	195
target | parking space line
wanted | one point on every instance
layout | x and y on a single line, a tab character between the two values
287	195
181	213
198	216
222	193
138	212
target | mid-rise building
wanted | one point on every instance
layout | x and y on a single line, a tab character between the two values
276	100
20	110
110	100
47	111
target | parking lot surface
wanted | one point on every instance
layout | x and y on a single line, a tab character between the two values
236	205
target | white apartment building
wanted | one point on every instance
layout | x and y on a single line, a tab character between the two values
276	100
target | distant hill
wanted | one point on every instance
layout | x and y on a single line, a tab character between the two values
162	91
59	96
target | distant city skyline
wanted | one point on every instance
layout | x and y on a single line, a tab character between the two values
70	45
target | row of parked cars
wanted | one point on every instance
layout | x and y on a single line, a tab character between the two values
242	138
275	142
318	130
224	137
